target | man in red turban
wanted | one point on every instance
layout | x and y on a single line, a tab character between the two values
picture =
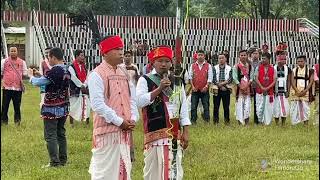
112	99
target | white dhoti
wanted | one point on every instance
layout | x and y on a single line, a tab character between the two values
111	158
299	111
316	110
160	163
264	108
42	99
243	108
281	106
80	107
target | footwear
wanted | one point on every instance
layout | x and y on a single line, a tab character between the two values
4	123
49	166
62	164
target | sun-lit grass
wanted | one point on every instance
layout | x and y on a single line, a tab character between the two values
215	152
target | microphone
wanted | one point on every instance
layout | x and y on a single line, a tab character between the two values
167	91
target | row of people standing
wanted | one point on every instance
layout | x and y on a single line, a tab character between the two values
269	85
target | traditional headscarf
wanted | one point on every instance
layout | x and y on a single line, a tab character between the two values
110	43
160	51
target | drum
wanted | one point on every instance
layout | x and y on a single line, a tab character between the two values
213	90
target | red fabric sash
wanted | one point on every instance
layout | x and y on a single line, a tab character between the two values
317	69
261	77
82	75
149	68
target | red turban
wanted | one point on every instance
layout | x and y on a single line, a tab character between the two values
110	43
158	52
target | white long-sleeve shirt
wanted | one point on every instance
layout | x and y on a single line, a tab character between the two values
75	79
24	68
97	99
210	74
144	99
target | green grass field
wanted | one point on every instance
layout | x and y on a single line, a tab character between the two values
215	152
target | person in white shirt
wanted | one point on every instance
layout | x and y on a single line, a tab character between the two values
164	140
79	93
44	67
115	114
132	69
12	70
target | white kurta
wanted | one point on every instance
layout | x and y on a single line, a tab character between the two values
281	106
157	153
79	106
264	108
243	108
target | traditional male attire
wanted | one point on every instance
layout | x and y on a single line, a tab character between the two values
200	74
316	103
43	69
54	111
79	100
281	102
300	106
221	74
162	120
12	87
147	68
133	72
112	99
255	65
242	75
266	76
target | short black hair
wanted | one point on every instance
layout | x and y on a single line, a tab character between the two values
56	52
243	50
128	52
78	52
267	55
223	54
12	46
201	51
48	48
304	57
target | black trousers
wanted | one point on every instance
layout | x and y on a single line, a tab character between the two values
195	96
55	136
225	97
7	96
256	121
